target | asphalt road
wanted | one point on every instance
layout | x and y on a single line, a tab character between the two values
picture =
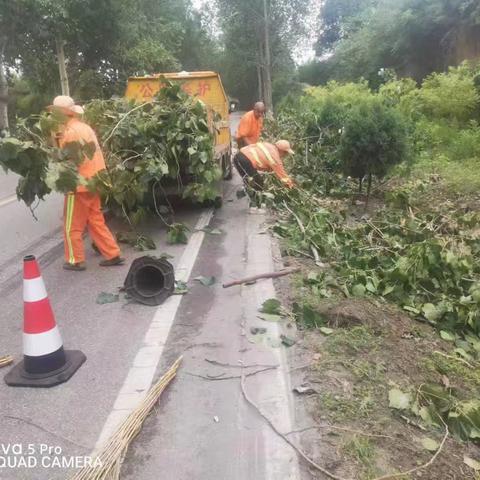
202	429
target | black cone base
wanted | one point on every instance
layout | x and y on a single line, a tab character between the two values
18	377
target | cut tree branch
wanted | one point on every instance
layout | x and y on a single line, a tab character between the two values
280	273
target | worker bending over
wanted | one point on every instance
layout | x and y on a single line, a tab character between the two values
83	208
263	157
250	126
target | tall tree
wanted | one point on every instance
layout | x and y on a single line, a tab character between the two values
414	37
257	37
16	16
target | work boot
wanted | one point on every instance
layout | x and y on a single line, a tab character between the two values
76	267
112	262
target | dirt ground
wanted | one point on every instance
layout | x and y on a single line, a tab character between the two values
345	423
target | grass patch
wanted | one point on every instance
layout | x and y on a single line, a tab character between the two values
365	370
362	450
454	370
361	404
354	340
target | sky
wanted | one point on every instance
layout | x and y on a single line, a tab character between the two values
304	51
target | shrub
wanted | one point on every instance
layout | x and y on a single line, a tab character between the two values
452	96
374	140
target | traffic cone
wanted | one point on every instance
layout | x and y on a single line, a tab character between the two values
45	362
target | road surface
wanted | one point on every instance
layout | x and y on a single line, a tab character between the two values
202	429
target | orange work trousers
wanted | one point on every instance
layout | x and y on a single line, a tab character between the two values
83	210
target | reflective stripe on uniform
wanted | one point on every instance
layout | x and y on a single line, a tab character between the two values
256	157
68	225
267	154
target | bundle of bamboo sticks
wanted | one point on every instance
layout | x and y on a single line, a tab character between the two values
6	360
112	454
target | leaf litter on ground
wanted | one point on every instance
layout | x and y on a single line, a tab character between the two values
106	297
207	281
211	231
181	288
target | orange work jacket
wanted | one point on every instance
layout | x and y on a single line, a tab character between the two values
250	128
265	158
75	130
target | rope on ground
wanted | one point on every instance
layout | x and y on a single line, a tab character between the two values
111	456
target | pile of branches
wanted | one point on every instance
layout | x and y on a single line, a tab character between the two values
146	147
42	166
423	259
166	142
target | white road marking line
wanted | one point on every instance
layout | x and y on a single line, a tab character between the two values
275	397
140	376
7	200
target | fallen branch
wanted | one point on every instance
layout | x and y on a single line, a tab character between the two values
43	429
421	467
280	434
240	365
315	465
6	360
344	429
122	119
111	456
280	273
296	217
230	377
452	357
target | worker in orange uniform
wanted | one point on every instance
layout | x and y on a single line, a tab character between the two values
263	157
250	126
83	208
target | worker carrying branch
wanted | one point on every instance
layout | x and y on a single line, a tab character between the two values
250	126
82	207
263	157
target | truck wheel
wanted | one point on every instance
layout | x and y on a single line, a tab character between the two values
227	168
218	202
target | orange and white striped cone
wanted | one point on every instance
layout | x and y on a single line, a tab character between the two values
45	362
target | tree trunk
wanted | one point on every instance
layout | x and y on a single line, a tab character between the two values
3	96
259	76
267	80
369	187
62	68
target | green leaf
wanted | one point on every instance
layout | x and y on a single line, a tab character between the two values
206	281
287	341
473	464
430	444
180	288
399	400
326	331
358	290
271	306
105	297
211	231
388	289
177	234
270	317
448	336
430	312
463	353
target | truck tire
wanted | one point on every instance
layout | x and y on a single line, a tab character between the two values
227	167
218	202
